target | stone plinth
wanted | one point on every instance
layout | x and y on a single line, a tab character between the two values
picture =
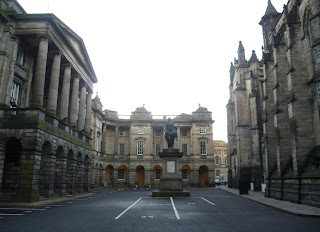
170	182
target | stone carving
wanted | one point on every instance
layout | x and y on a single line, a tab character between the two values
170	134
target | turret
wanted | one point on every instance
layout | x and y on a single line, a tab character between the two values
268	22
241	55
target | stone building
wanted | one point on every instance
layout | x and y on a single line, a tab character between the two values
244	121
126	149
220	153
46	82
290	95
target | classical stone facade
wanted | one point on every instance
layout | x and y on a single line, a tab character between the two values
126	149
289	92
220	153
46	82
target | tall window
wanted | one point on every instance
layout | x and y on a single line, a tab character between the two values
140	147
184	132
20	56
158	174
122	133
158	149
140	130
15	94
226	161
203	147
184	174
121	150
185	149
120	174
158	133
202	130
217	172
217	160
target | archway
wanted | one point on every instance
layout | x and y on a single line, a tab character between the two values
140	176
109	174
203	175
46	174
60	177
71	166
12	163
86	171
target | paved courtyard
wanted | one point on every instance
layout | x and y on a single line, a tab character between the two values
135	210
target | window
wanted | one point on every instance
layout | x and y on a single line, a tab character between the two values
140	130
20	56
158	133
158	149
97	143
226	161
217	172
202	130
203	147
15	94
122	133
184	174
185	149
120	174
184	132
158	174
217	160
140	147
121	149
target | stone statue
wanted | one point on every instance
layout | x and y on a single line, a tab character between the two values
170	134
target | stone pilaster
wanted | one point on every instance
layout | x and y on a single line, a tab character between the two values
74	101
64	100
40	72
88	119
54	83
116	137
12	67
82	107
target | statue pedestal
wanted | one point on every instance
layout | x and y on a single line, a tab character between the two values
170	182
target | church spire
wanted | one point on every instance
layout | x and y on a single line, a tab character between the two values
271	11
241	54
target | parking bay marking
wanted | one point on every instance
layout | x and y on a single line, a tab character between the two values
22	209
208	201
127	209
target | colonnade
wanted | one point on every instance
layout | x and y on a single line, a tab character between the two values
78	113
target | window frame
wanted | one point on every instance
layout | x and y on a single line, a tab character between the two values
184	174
158	148
184	132
140	149
185	149
140	130
121	151
217	173
203	130
20	56
158	174
203	148
122	170
217	159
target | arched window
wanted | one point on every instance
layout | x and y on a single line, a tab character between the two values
217	160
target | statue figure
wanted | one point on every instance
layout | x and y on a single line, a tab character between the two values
170	134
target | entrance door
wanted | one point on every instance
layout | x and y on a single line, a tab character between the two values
203	175
140	175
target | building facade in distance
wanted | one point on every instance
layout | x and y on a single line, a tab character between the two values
126	150
46	82
220	153
287	110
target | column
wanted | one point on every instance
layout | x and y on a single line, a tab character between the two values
116	135
12	67
74	101
88	119
40	72
82	107
64	101
54	83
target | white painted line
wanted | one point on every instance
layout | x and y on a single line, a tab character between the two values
207	201
80	199
11	214
52	205
174	208
154	204
47	207
69	202
127	209
23	209
28	211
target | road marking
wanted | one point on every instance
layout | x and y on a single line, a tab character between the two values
154	204
207	201
22	209
28	211
52	205
80	199
174	208
11	214
191	203
69	202
127	209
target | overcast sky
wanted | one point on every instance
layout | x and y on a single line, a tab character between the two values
170	55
